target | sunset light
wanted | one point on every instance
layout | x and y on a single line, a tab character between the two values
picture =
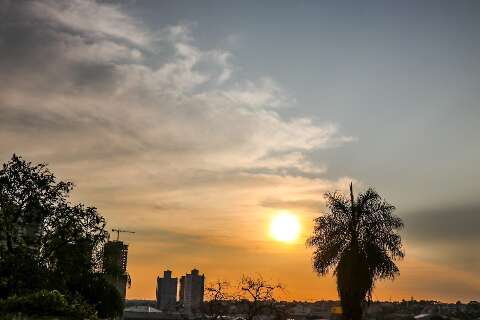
240	160
285	227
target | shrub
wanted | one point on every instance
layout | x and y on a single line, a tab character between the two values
47	303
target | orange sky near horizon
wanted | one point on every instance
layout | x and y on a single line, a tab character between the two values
223	229
195	123
290	265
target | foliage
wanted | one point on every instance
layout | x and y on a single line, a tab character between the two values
358	239
48	243
101	294
20	272
47	303
28	195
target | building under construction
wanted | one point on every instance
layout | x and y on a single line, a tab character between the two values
115	255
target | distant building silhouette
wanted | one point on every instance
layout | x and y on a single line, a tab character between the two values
181	293
166	291
193	291
115	255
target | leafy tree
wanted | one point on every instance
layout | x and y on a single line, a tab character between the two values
100	293
20	272
72	243
358	239
28	195
47	303
48	243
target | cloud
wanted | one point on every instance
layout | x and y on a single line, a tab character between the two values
308	204
85	64
265	93
162	135
445	224
154	130
446	236
89	17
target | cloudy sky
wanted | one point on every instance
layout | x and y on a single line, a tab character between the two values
193	123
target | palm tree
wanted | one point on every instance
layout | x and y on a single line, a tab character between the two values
358	239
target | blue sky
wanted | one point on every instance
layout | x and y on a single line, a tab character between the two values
197	121
401	77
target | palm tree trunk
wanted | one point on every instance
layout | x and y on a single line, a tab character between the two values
357	311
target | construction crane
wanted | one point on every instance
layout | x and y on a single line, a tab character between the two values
119	230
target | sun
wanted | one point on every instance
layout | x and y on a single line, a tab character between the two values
285	227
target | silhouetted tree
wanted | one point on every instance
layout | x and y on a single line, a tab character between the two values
46	304
253	296
101	294
28	195
217	295
359	240
258	296
48	243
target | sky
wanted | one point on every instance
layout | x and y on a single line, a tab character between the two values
193	123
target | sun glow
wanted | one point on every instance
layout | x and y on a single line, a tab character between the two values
285	227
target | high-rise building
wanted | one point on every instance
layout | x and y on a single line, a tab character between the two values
193	291
181	293
166	291
115	265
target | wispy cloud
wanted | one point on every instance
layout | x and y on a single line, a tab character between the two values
92	66
155	130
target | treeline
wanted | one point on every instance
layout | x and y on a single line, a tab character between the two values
50	248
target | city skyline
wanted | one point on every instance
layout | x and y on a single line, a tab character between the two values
210	129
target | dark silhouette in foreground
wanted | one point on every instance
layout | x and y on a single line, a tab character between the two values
218	296
258	296
253	297
50	249
358	239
